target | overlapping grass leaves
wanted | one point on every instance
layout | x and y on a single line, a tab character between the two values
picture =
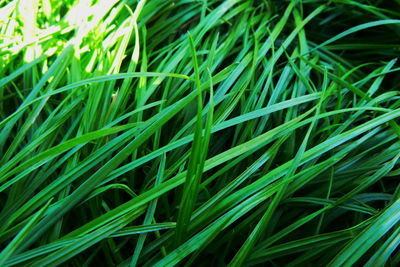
271	129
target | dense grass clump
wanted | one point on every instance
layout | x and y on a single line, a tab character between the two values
199	133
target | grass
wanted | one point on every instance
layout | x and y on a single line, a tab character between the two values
199	133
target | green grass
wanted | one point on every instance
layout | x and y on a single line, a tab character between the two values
199	133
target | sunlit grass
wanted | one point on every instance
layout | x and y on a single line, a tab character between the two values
199	133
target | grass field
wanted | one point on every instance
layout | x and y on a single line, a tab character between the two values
199	133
